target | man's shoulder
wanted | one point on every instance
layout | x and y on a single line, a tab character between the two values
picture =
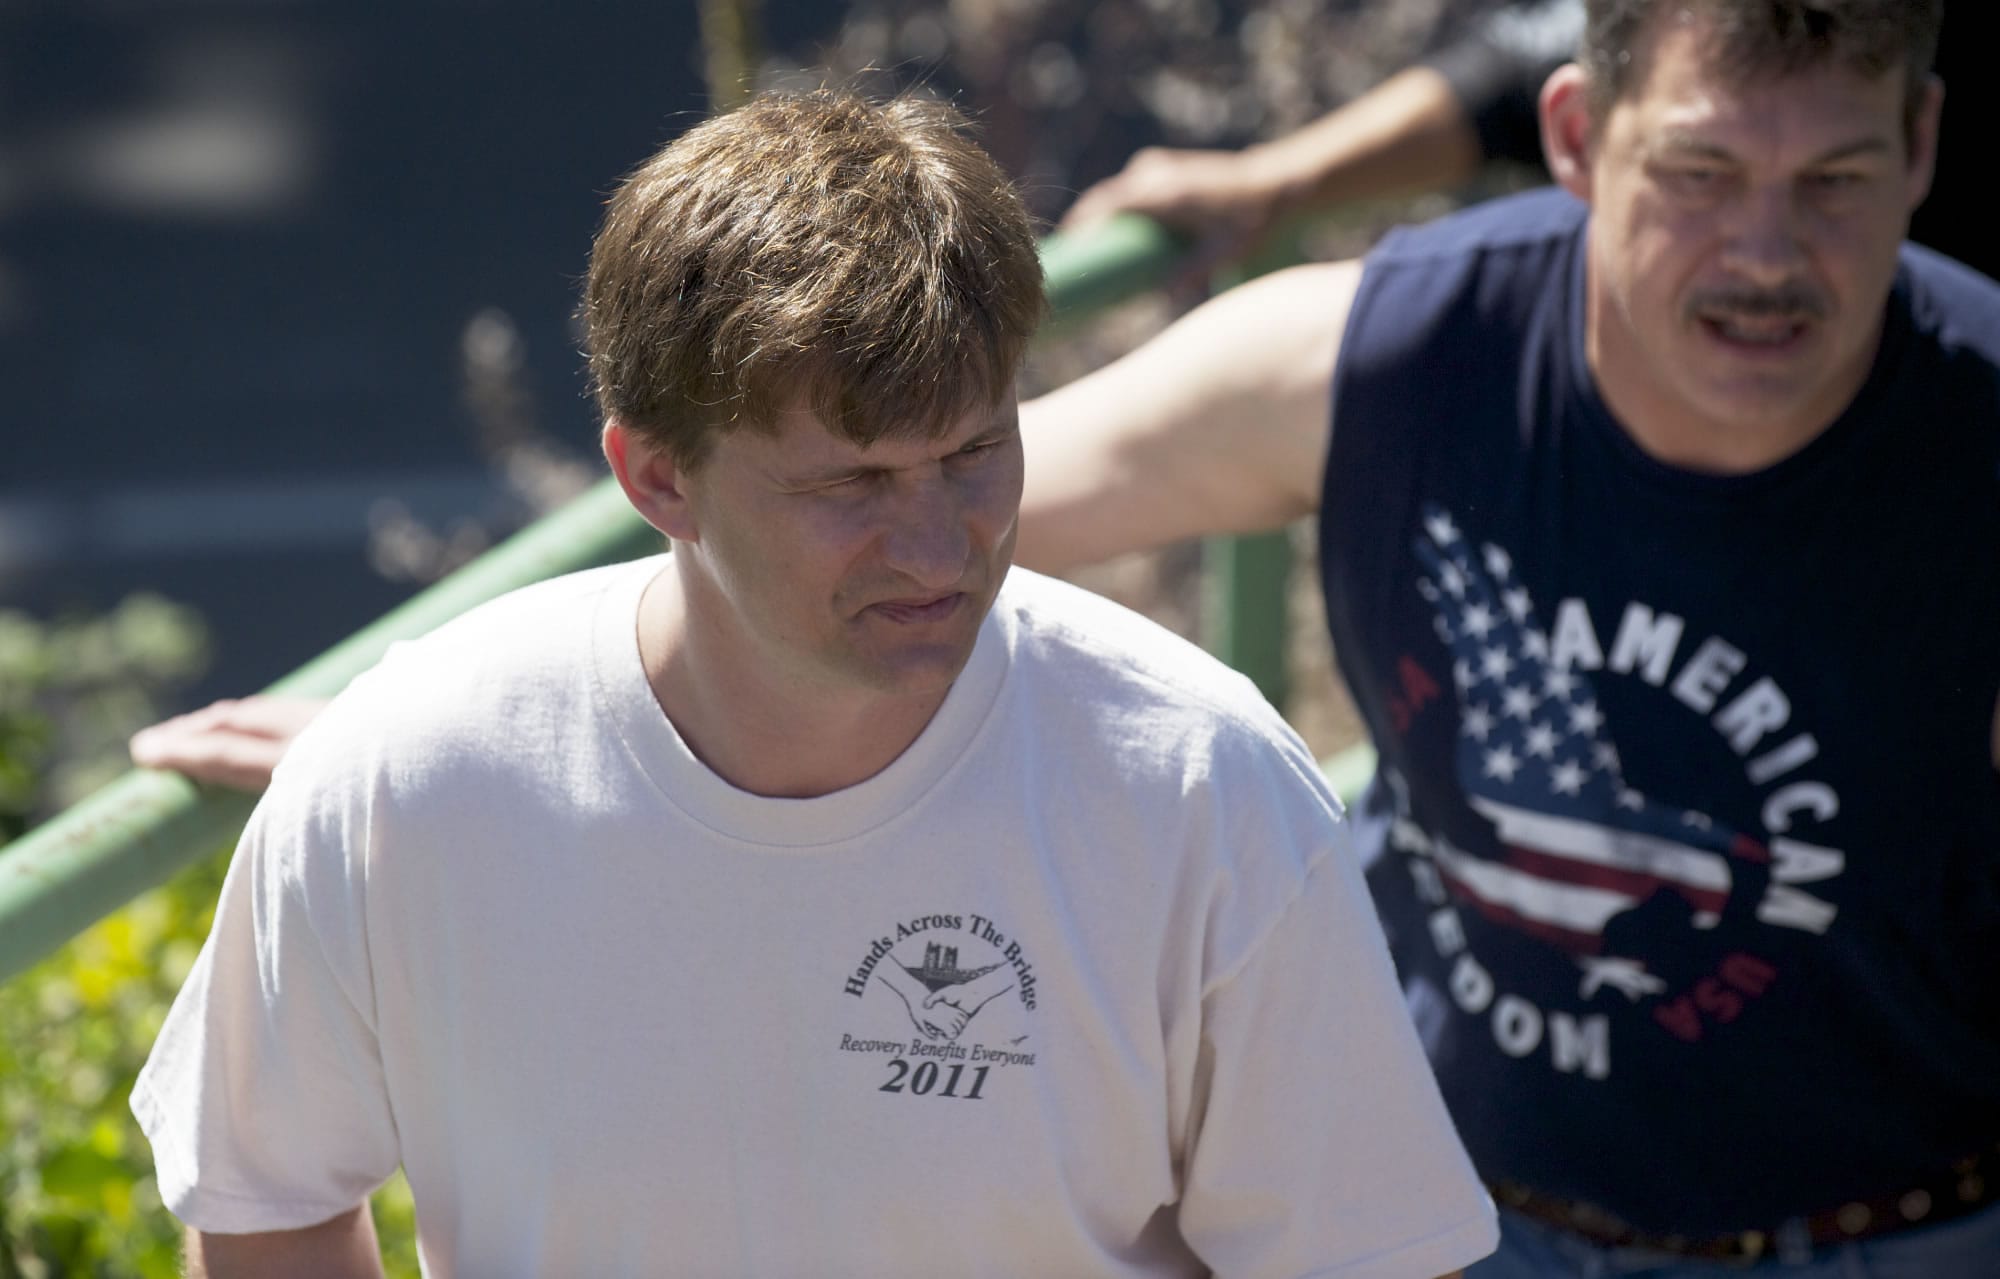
1092	652
1954	314
470	682
1119	701
1951	303
1503	266
549	599
1482	292
1530	220
508	634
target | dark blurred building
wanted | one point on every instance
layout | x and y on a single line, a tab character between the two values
245	252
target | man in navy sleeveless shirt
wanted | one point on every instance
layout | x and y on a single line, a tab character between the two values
1660	529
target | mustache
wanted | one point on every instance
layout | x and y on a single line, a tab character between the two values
1796	301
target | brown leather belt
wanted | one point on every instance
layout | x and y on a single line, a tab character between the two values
1968	1185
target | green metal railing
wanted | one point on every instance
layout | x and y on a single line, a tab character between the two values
133	834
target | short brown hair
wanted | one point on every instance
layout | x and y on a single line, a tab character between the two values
1750	38
867	257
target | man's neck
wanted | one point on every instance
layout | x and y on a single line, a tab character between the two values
784	738
1676	432
1674	435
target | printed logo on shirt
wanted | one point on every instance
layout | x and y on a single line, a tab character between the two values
945	999
1658	904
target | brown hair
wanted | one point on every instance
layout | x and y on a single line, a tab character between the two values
1750	38
867	257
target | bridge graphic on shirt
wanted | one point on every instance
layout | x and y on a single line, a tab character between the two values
1581	849
940	968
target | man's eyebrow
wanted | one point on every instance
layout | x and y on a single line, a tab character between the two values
999	428
995	429
1683	142
1857	149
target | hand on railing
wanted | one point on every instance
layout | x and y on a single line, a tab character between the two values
234	742
1215	198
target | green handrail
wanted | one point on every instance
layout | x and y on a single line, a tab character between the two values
139	829
1243	614
1104	266
1349	771
135	832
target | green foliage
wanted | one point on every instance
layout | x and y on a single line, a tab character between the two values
77	1193
72	691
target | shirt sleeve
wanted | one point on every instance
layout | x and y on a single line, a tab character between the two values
264	1095
1497	71
1322	1146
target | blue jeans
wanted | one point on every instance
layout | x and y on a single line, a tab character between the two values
1967	1248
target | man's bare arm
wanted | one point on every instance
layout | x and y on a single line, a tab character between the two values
1218	425
343	1248
1409	133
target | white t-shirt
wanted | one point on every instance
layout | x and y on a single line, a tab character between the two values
1084	983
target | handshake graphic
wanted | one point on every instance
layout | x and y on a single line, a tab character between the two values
941	1014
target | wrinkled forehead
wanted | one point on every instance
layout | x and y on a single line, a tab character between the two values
1679	46
800	434
1681	93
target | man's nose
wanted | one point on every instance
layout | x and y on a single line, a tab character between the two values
1766	237
928	537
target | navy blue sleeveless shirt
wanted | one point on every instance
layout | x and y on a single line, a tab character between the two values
1687	829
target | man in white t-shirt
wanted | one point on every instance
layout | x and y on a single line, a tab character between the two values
820	898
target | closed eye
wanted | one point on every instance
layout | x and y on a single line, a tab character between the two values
1693	178
989	446
841	484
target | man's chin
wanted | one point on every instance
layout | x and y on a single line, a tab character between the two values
1756	405
909	667
932	670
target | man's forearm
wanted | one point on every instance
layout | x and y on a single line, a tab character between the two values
1409	133
343	1248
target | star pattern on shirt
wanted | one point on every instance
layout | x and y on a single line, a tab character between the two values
1567	778
1478	621
1501	763
1477	721
1538	730
1541	741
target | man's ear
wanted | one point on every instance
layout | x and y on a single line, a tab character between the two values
1568	128
1923	142
653	483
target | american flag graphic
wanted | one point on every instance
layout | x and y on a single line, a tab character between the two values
1536	758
